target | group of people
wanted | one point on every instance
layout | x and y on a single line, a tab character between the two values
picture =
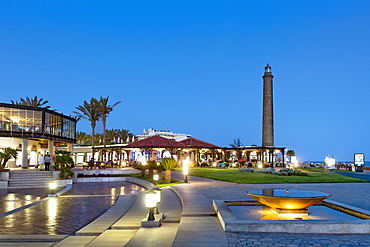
44	162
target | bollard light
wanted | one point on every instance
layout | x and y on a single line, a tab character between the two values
185	170
155	178
158	199
151	202
52	186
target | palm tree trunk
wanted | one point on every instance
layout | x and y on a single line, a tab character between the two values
92	139
168	176
104	121
3	164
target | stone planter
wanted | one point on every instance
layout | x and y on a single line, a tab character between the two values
56	175
4	184
63	182
4	176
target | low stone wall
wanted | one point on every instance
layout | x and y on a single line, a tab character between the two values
56	175
63	182
106	171
4	175
4	184
141	182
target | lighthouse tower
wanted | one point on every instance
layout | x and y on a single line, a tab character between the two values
268	109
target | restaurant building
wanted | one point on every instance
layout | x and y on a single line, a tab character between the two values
33	132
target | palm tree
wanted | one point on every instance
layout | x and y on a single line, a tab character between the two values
236	143
90	112
290	153
65	163
82	137
123	134
111	134
5	155
168	164
78	118
35	102
132	138
105	110
98	137
15	102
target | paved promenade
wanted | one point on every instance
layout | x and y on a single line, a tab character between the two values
190	219
353	194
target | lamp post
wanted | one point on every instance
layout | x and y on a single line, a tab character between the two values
158	198
185	170
52	186
151	202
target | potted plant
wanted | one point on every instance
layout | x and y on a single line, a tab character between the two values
65	163
6	154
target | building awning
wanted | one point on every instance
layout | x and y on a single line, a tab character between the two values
155	142
193	142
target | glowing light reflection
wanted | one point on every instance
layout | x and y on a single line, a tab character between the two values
52	213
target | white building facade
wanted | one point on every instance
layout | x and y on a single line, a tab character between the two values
164	133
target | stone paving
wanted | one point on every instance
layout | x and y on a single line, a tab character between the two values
73	210
60	215
354	194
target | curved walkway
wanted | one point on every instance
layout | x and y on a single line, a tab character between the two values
190	219
349	193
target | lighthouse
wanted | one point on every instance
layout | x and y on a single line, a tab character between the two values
268	109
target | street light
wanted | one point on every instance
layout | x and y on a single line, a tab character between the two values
52	186
158	199
151	202
185	170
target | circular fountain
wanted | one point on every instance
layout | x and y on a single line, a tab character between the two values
285	201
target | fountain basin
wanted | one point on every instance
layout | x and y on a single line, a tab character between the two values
356	220
288	201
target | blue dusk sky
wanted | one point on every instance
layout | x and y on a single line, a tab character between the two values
196	67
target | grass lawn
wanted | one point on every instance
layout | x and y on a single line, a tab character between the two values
234	176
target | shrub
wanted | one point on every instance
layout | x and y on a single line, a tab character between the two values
168	164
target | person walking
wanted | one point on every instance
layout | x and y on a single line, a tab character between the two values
47	161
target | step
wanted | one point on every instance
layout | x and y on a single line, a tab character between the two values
26	184
29	181
30	174
22	187
32	179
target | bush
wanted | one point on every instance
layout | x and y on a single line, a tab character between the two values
265	170
282	172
